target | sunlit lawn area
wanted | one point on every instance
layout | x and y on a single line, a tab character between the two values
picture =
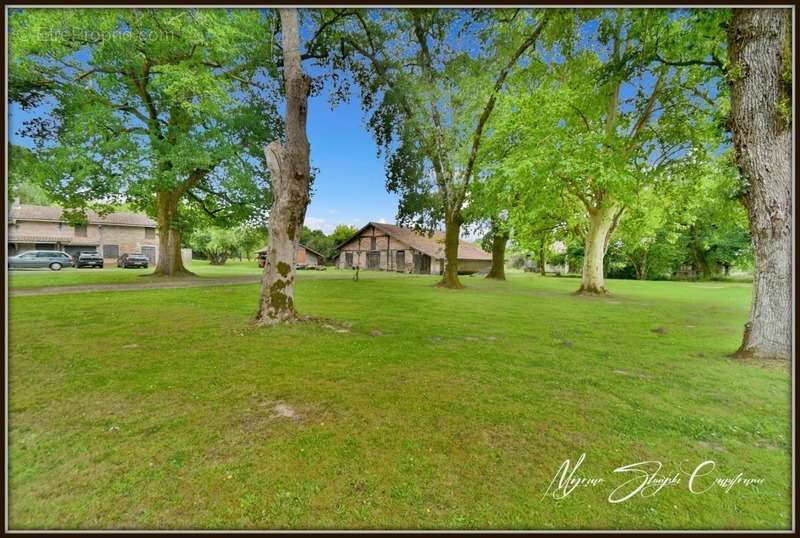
37	278
416	407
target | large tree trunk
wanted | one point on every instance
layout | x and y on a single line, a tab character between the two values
601	222
759	53
499	240
641	269
290	174
452	230
170	262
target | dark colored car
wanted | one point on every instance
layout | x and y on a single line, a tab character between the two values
54	259
133	260
89	259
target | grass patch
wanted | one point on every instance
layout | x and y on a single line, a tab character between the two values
420	408
44	278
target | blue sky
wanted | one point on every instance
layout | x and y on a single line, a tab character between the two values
350	185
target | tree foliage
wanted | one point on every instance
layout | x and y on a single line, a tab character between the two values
163	109
217	244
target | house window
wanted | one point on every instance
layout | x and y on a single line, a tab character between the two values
111	251
373	244
80	231
149	233
348	259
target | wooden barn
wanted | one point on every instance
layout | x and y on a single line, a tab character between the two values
386	247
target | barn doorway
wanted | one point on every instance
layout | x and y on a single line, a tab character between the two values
422	264
374	260
400	260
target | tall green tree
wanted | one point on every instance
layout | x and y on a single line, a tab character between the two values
342	233
761	92
20	185
252	237
429	94
164	109
216	244
611	119
746	56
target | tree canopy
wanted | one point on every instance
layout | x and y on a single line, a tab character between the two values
166	110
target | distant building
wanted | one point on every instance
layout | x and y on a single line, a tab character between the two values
33	227
386	247
304	257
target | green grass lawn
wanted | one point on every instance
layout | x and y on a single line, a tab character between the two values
44	278
417	408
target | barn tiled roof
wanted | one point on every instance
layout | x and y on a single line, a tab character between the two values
432	246
51	213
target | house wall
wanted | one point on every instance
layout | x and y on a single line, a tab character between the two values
126	238
474	266
306	256
37	228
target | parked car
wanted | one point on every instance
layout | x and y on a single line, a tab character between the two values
89	259
133	260
39	259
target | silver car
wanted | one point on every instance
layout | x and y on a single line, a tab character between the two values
35	259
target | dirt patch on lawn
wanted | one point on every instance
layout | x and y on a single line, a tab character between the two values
282	410
264	414
773	364
714	446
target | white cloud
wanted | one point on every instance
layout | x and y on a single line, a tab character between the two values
316	223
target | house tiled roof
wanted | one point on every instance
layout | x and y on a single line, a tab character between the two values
51	213
432	246
14	237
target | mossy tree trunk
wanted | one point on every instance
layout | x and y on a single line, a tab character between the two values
499	241
760	53
290	175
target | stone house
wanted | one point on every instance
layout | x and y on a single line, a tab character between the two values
32	227
304	257
386	247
